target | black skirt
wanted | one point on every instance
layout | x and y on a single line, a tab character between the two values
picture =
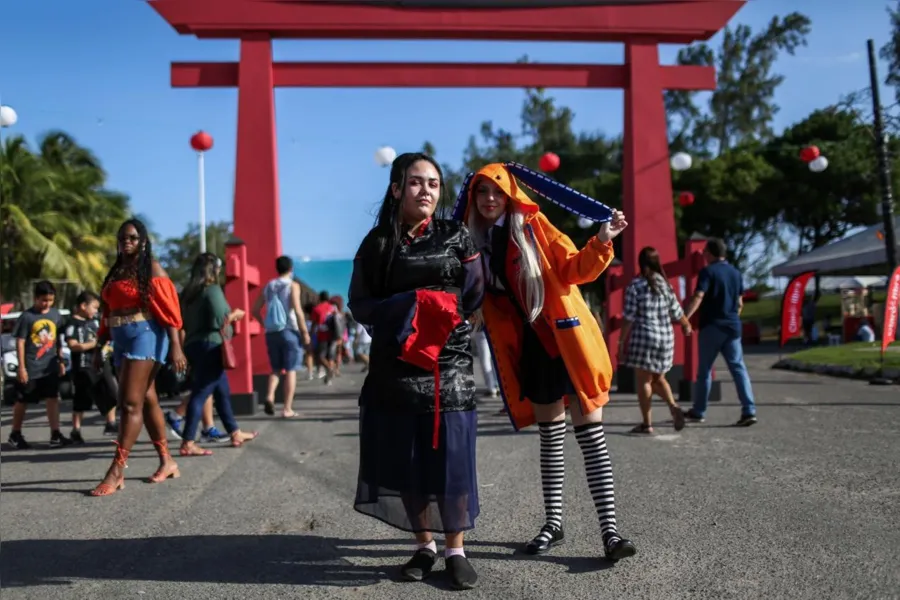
544	379
406	483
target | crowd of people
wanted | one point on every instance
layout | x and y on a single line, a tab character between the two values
498	280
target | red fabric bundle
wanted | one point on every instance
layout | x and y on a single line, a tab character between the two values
434	318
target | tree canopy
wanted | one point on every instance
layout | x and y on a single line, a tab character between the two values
58	220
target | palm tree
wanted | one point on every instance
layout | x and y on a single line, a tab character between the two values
56	217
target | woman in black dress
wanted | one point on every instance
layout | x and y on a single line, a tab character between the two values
415	282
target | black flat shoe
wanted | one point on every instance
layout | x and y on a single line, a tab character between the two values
462	575
419	566
549	537
619	548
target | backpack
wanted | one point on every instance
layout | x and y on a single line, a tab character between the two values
276	315
337	325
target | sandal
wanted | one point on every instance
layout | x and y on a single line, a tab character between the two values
643	429
677	417
108	489
235	443
194	451
167	469
269	407
288	415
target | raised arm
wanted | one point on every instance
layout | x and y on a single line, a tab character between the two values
574	266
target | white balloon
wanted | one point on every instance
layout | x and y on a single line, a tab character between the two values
818	165
8	116
385	156
681	161
584	222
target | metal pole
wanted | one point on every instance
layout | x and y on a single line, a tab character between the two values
884	168
202	203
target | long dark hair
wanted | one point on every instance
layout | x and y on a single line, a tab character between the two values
388	220
141	270
203	273
648	261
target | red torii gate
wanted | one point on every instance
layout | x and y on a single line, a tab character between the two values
641	24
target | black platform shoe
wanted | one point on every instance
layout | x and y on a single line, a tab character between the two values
462	575
550	536
419	566
618	548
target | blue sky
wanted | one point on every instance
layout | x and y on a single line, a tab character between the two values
99	69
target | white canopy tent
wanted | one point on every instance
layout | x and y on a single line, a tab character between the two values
859	254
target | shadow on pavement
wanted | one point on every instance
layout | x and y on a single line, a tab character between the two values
260	559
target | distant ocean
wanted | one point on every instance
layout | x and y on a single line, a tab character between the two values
333	276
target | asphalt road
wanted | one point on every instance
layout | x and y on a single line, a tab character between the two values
804	505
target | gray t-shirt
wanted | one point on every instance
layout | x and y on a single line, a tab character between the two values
41	335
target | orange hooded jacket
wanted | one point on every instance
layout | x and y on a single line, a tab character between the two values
575	330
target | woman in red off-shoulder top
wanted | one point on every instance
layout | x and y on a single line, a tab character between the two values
142	317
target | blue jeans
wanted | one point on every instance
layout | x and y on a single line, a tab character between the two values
207	377
141	340
713	340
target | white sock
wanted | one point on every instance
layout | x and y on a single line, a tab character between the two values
430	545
448	552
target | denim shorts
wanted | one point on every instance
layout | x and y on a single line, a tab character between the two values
285	350
142	340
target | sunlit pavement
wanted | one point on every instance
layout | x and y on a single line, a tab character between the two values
804	505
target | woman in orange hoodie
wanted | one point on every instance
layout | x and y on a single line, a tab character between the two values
547	346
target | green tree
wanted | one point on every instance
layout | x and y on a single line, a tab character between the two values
729	202
177	254
890	52
589	162
823	207
727	131
57	218
743	105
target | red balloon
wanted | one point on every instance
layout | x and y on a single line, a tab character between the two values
685	198
549	162
201	141
809	154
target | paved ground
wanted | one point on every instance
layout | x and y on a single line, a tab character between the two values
805	505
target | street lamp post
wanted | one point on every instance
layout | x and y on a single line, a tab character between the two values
201	142
884	169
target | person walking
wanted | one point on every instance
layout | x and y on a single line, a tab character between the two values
647	343
206	316
286	333
718	298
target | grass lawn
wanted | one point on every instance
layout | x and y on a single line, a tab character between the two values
859	355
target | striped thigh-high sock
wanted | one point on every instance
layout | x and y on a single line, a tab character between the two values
553	471
600	478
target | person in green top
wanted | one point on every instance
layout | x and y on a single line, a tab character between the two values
206	313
